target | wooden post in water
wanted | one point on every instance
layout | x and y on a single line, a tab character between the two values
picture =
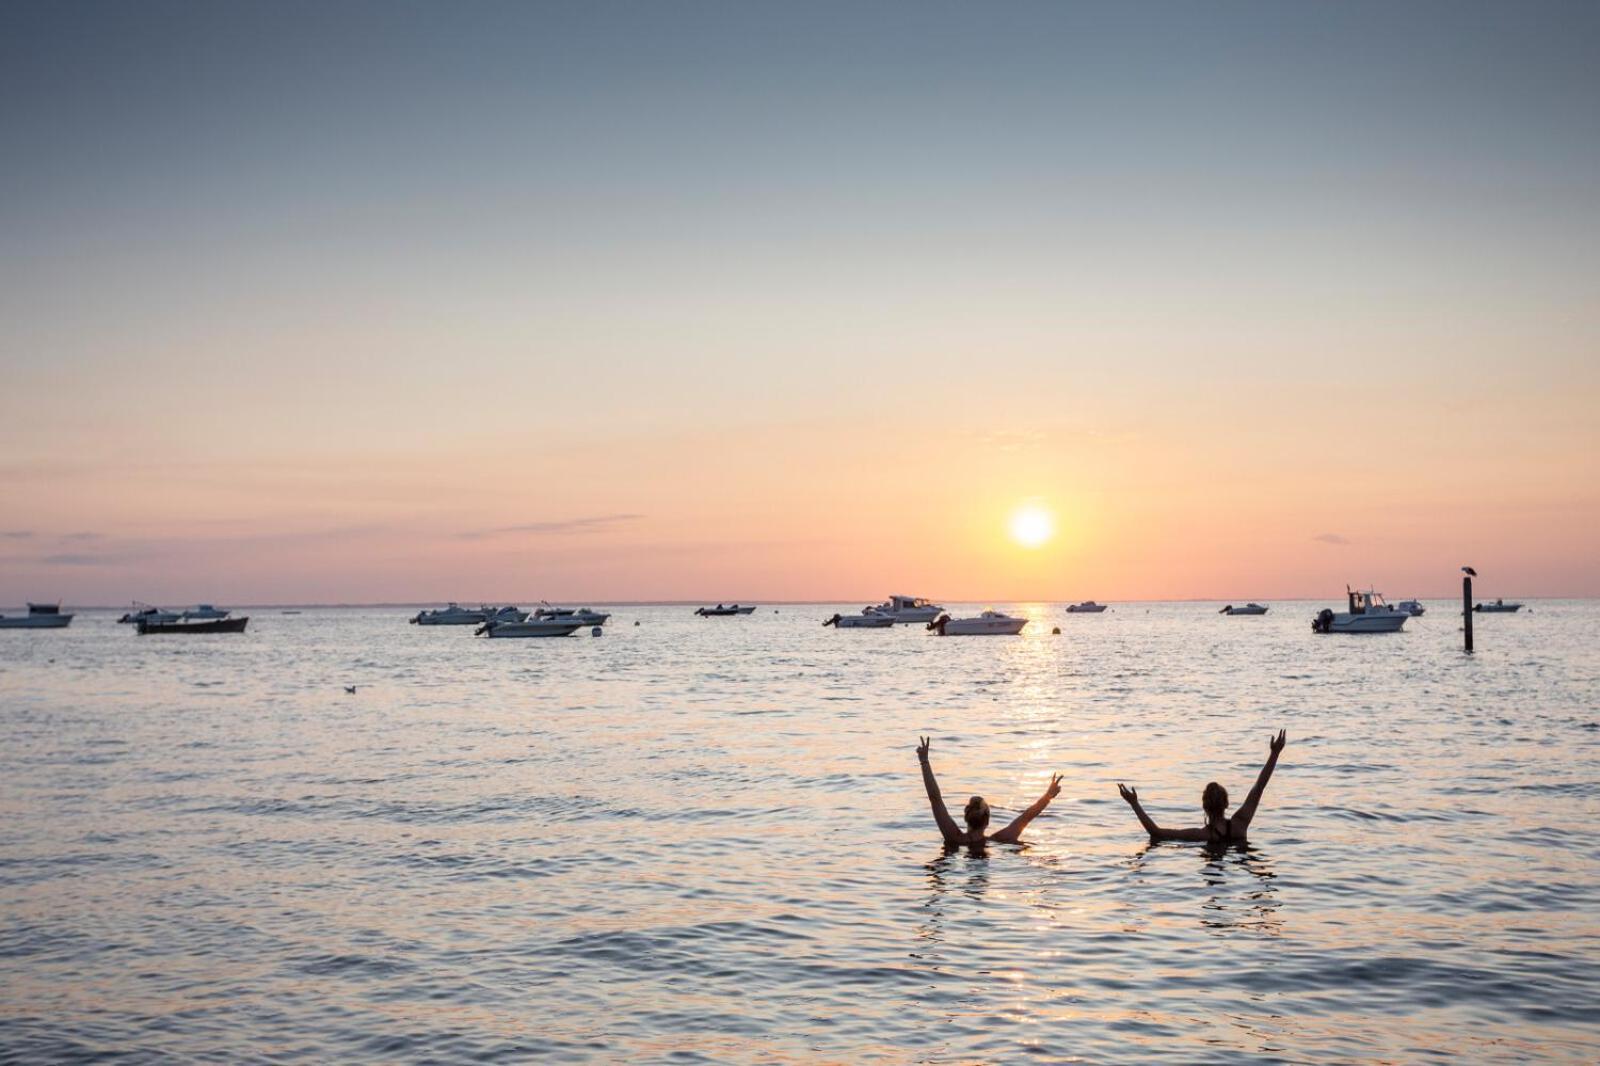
1466	609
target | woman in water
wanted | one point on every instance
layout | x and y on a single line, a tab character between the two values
977	811
1220	831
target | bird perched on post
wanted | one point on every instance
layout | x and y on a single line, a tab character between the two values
1469	570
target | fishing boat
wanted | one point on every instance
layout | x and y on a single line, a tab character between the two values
203	612
1249	608
39	616
721	611
215	625
906	610
989	623
1497	607
143	612
869	618
452	615
581	615
1412	607
1367	613
1086	607
530	627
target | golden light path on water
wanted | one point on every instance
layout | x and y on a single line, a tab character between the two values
708	837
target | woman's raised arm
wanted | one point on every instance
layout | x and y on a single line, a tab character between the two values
1013	832
947	824
1247	809
1155	831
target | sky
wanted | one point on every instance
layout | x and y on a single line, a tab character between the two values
402	302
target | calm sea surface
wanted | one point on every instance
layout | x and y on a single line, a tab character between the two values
706	840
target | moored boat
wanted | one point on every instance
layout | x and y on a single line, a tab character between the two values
581	615
869	618
452	615
907	610
39	616
143	612
215	625
1249	608
722	610
989	623
1086	607
1412	607
1497	607
1367	613
531	627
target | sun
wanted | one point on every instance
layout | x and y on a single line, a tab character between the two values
1032	525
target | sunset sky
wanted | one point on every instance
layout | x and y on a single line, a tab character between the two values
403	302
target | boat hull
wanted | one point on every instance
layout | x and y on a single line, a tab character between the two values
219	625
1245	610
1080	608
1492	608
36	621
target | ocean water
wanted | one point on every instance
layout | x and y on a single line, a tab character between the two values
695	840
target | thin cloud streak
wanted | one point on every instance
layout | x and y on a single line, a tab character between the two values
559	527
1332	538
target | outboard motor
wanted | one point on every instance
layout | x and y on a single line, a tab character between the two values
832	621
1323	622
939	624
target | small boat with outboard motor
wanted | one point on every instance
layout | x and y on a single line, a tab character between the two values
1412	607
1497	607
990	623
1086	607
452	615
1249	608
39	616
723	611
214	625
907	610
529	627
581	615
1367	613
143	612
869	618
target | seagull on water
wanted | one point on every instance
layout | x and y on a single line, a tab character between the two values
350	690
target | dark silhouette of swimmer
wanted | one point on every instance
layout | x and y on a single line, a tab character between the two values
1220	831
976	813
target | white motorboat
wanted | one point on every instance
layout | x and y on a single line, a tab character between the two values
143	612
1249	608
724	610
869	618
1367	613
989	623
39	616
1497	607
906	610
204	612
1086	607
1412	607
531	627
581	615
452	615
